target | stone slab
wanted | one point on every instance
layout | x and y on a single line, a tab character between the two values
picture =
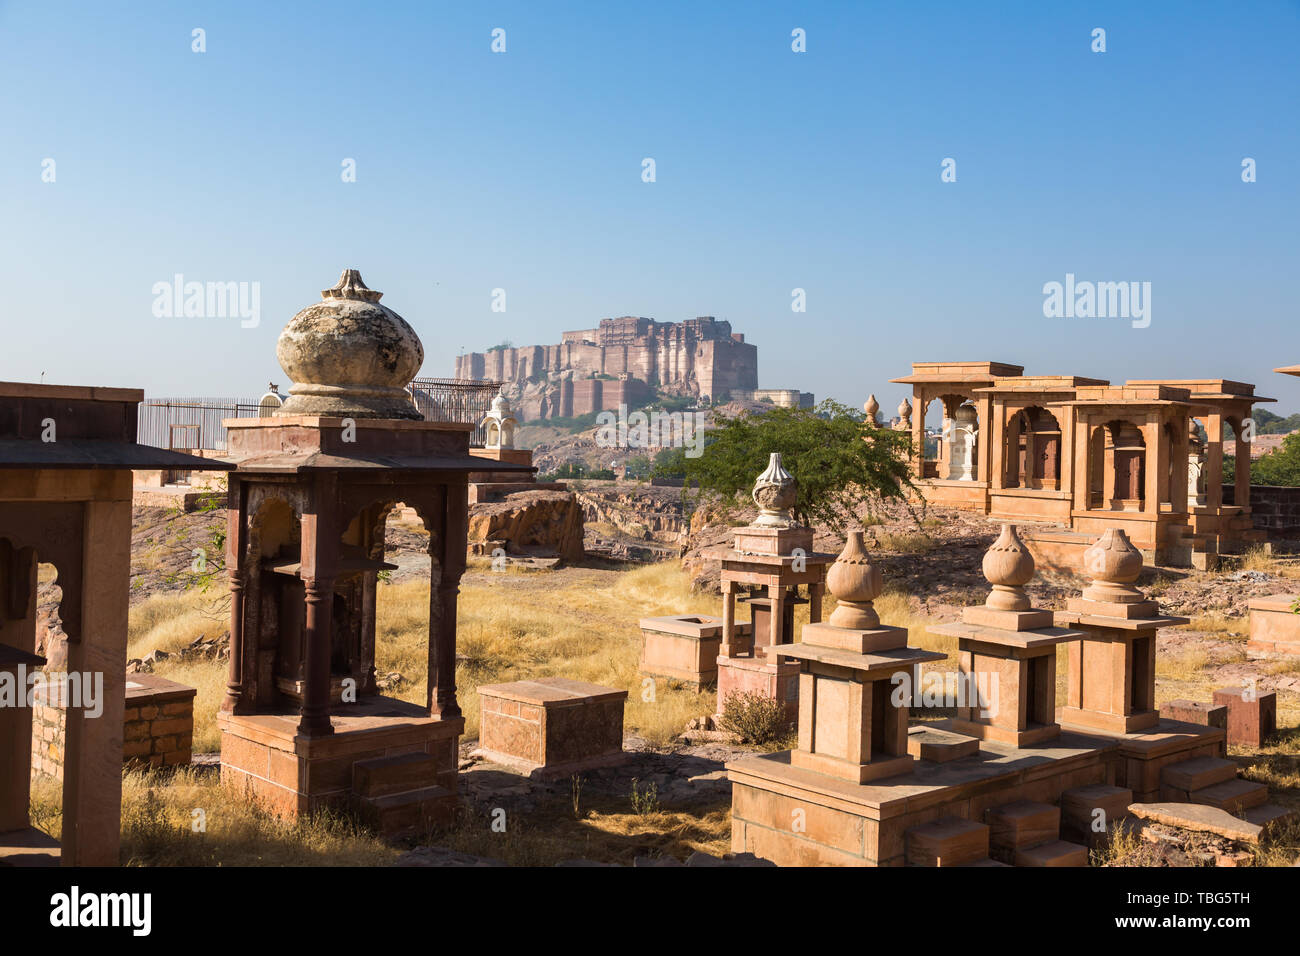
1198	816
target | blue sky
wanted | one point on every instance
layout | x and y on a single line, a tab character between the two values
775	170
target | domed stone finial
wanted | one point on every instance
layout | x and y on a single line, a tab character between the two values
905	414
775	493
1113	564
1008	566
856	583
872	408
349	356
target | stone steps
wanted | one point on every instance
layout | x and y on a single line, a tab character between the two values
948	841
1232	795
409	813
1197	773
1269	816
1079	808
1020	826
381	776
1055	853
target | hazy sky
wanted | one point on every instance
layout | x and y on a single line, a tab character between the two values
774	170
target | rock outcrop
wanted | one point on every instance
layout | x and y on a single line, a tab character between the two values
529	523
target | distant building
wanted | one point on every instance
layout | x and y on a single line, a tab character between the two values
1261	446
622	361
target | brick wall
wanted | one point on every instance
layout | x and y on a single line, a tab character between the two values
157	731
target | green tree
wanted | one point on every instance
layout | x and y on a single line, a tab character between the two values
841	462
1280	467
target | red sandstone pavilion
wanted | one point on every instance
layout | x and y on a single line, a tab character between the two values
303	725
1079	455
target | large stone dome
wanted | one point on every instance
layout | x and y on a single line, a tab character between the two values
349	356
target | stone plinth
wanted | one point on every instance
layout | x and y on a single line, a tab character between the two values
551	726
778	680
849	724
1274	627
1195	712
849	824
771	541
1111	683
1112	680
1010	680
683	648
1252	715
266	757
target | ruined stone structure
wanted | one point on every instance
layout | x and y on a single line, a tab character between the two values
1025	783
620	362
1084	455
303	724
66	455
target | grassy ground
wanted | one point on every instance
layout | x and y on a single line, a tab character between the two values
189	819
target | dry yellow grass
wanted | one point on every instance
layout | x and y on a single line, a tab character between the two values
159	821
169	622
911	543
1224	628
1187	667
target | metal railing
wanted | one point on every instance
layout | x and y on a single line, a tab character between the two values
455	400
195	422
167	422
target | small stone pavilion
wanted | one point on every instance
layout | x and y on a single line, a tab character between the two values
66	458
1084	455
1015	786
303	724
770	559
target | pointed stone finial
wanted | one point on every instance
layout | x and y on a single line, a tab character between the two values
350	286
1113	564
872	407
856	583
1008	566
775	493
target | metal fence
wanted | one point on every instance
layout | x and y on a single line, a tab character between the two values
190	423
455	400
195	423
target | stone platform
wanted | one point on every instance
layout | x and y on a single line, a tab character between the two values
846	824
386	758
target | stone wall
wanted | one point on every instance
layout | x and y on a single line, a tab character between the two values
157	731
1274	509
158	726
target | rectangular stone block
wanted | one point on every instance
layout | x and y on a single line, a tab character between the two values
1252	715
562	726
1195	712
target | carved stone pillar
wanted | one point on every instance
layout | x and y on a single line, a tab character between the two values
442	651
315	721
